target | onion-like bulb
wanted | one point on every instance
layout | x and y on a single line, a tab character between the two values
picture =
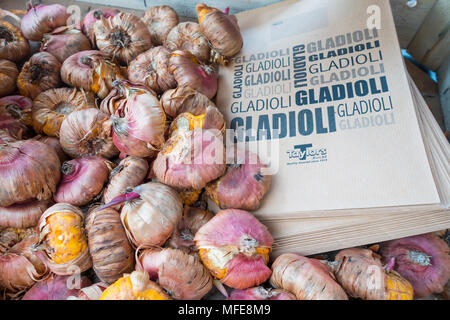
92	17
306	278
87	132
57	287
243	185
423	260
18	107
134	286
82	179
112	254
15	116
64	42
41	19
222	30
261	293
62	240
13	46
360	272
55	145
190	159
192	220
138	120
23	214
123	36
14	128
235	247
51	107
129	173
182	275
151	68
19	267
187	71
187	36
184	99
29	170
8	77
150	214
38	74
160	20
91	70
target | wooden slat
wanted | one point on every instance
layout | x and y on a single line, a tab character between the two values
185	8
429	90
431	44
408	20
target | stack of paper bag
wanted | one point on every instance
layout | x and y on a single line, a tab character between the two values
320	92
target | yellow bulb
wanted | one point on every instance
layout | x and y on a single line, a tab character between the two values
66	239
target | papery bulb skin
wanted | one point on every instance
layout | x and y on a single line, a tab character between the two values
423	260
15	47
18	107
111	253
179	273
92	17
62	239
14	128
188	36
184	99
123	36
235	247
151	219
82	179
93	292
6	137
23	214
129	173
244	184
361	274
87	132
43	18
51	107
8	77
55	287
138	120
151	68
54	143
192	220
15	116
91	70
19	267
64	42
160	20
187	71
211	118
306	278
222	30
134	286
190	159
29	170
41	72
261	293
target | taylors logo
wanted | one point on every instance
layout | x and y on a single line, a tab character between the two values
305	153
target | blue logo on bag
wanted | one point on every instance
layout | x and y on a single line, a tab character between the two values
306	153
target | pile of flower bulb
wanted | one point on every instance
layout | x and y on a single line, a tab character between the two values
113	167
